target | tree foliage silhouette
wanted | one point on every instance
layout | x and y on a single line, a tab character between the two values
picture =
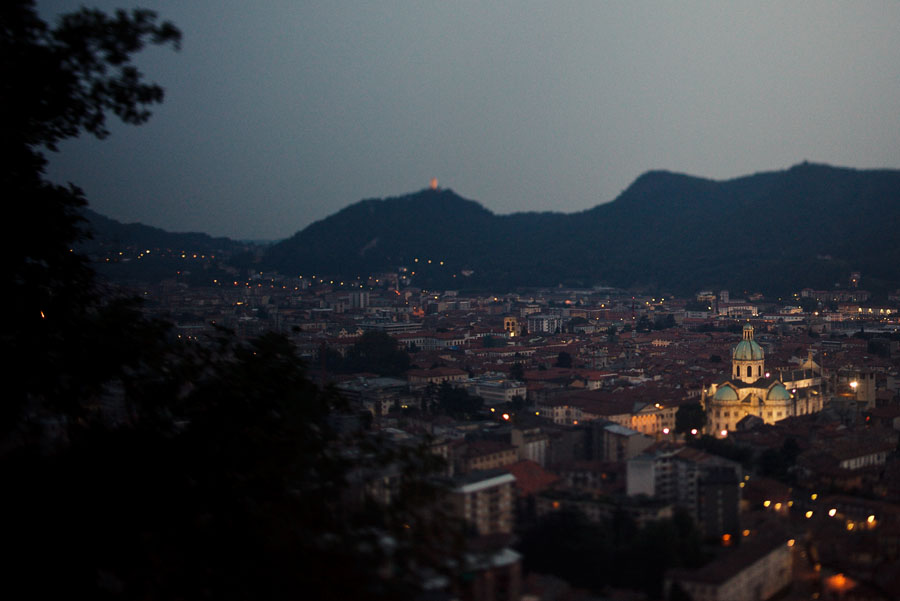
690	416
144	468
563	359
55	84
376	352
614	552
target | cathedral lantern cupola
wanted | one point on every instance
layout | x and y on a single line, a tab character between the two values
747	358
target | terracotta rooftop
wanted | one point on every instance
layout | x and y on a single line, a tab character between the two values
531	478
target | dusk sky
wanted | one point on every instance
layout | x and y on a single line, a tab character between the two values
278	114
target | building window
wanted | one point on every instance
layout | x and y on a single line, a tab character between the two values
749	371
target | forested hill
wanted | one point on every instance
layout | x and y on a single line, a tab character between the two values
108	232
810	225
116	247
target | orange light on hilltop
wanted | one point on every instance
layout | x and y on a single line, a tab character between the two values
839	583
433	184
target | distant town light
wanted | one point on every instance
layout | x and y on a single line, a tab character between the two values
766	503
694	431
724	433
809	514
505	416
665	430
831	512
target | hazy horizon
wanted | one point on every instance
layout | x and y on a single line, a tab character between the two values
277	117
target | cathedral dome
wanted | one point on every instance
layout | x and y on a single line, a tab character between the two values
778	393
747	349
726	393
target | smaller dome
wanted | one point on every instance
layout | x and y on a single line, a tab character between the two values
726	393
778	393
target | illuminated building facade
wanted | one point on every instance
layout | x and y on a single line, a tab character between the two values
751	390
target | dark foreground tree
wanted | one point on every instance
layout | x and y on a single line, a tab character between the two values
57	83
137	468
242	491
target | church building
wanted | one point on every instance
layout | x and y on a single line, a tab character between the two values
752	391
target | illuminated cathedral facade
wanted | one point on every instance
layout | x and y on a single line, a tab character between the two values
752	391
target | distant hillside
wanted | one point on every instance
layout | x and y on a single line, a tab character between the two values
108	231
808	226
109	237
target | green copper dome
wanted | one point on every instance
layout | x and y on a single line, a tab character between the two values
778	393
747	349
726	393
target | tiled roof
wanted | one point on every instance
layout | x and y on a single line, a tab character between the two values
531	478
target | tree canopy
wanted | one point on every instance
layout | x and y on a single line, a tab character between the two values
57	83
690	416
563	359
141	467
614	552
376	352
